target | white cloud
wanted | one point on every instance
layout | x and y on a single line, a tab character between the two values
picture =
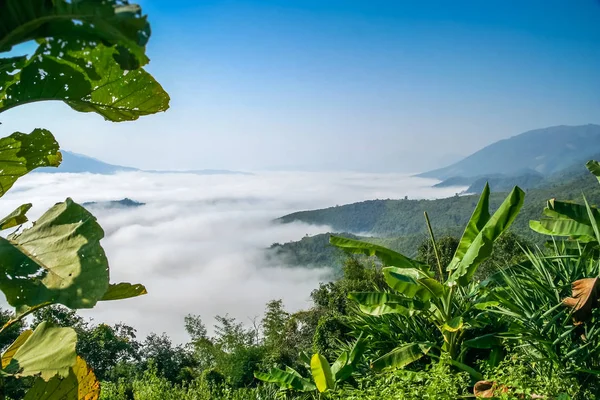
198	243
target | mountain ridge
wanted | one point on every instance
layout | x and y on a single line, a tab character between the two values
545	151
80	163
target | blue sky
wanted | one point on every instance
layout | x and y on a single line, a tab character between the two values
346	84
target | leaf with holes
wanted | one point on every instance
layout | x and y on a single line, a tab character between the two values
21	153
111	22
58	260
88	80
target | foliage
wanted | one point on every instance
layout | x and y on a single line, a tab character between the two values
325	377
89	56
530	298
449	302
435	381
514	378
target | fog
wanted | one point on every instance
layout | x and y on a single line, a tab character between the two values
198	243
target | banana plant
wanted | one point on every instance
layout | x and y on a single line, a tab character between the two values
446	298
579	223
90	56
325	376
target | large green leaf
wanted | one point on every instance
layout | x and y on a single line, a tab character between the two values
123	290
357	350
338	364
480	216
592	217
470	370
480	247
49	351
401	356
112	22
12	349
15	218
8	67
387	256
561	227
286	380
88	80
563	218
21	153
380	303
80	384
321	373
570	210
58	260
594	168
413	283
488	341
406	282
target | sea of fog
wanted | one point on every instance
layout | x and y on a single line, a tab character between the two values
198	243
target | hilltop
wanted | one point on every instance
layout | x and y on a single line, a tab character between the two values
544	151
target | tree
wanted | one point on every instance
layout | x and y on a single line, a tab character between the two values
175	363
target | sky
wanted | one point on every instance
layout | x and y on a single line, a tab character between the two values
377	85
199	242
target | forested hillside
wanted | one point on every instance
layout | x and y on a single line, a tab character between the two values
386	218
399	224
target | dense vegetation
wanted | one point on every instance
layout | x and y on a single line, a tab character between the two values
483	313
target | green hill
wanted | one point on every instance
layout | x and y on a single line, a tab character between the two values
545	151
400	225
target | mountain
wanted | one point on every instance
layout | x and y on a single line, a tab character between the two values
114	204
543	151
79	163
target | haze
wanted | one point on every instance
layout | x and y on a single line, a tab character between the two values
345	84
199	243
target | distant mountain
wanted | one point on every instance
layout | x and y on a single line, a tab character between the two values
123	203
79	163
543	151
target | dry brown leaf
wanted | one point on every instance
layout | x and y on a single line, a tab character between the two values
484	389
583	299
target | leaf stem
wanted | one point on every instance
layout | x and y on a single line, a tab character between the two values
435	249
13	321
